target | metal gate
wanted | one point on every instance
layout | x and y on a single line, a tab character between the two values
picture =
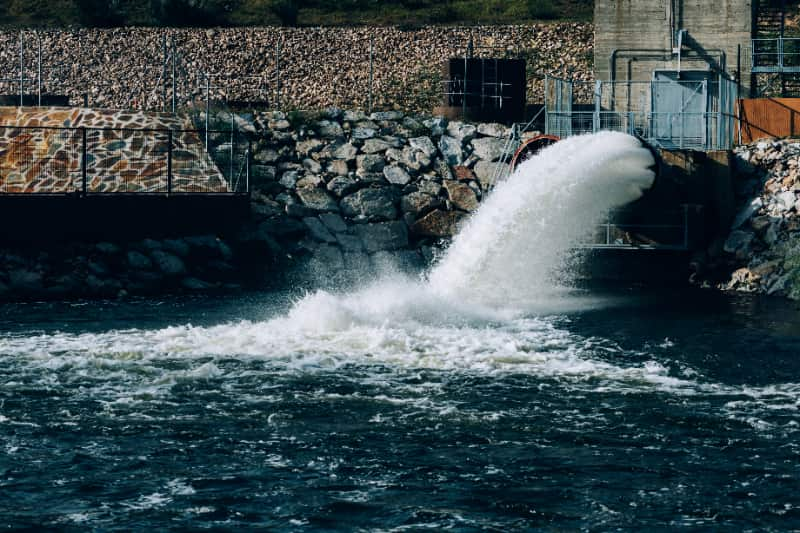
679	107
558	106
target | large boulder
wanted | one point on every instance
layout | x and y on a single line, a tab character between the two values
451	150
423	144
375	146
363	132
438	224
316	199
342	185
488	148
372	204
317	230
383	236
419	203
329	129
461	195
487	173
167	263
493	130
307	147
346	152
461	131
396	175
138	261
370	163
333	222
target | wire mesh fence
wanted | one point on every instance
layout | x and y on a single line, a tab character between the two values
95	161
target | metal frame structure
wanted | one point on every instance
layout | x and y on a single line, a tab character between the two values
633	108
775	56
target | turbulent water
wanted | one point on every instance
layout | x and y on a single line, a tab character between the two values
479	397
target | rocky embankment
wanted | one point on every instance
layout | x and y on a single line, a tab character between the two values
336	196
763	248
290	68
349	191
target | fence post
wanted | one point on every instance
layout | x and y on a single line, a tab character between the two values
164	72
371	67
208	105
174	83
39	65
247	168
231	151
464	98
21	68
169	162
84	162
546	111
278	74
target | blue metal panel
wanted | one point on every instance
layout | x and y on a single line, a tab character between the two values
679	106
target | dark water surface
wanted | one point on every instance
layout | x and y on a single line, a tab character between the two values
654	411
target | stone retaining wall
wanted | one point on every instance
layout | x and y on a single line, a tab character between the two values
126	152
122	68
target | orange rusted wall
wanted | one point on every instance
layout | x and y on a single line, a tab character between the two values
763	118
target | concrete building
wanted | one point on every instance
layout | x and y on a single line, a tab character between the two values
674	71
679	39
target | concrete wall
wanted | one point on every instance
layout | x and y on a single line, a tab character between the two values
640	33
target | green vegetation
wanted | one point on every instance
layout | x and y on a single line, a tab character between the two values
406	13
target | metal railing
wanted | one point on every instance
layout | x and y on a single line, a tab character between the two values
689	131
97	161
691	114
670	232
775	55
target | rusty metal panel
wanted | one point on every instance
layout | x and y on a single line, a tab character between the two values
769	118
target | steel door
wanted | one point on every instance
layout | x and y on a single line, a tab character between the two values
679	109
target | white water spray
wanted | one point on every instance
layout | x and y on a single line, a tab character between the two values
513	249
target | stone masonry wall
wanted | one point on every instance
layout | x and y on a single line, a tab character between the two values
122	68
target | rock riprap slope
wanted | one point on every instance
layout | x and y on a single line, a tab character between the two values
122	68
350	189
763	246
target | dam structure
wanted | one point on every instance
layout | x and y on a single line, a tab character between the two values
346	186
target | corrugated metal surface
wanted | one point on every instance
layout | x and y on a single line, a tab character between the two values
763	118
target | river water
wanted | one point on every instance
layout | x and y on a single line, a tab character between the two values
483	395
641	409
